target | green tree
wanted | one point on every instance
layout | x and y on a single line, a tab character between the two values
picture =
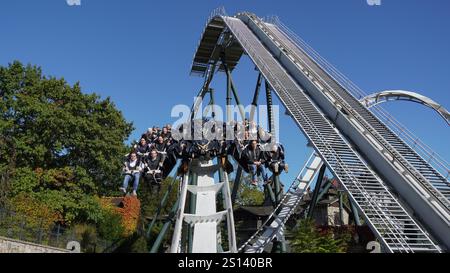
248	195
68	191
110	225
51	124
307	239
151	200
57	144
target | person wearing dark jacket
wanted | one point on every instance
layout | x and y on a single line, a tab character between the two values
142	149
166	134
255	161
153	170
161	147
169	127
275	159
148	136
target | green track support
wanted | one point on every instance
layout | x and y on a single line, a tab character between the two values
269	109
231	88
271	194
164	229
204	89
355	213
278	193
236	184
162	204
316	191
279	247
341	207
324	191
211	102
255	97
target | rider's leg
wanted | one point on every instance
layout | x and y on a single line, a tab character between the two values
126	180
153	189
263	173
137	176
253	172
274	166
158	178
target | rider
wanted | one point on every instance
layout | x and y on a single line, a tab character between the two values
169	127
166	134
132	170
148	136
153	169
255	161
142	149
275	159
160	146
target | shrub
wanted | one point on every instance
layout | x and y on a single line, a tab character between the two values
88	237
308	239
34	212
110	225
129	210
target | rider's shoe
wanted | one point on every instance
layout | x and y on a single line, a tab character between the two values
122	189
286	168
134	193
254	183
275	168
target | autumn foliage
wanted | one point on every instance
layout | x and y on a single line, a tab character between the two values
36	213
128	208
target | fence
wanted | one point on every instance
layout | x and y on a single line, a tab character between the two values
16	226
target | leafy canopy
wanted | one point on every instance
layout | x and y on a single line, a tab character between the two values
58	144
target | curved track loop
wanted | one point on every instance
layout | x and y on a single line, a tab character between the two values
390	95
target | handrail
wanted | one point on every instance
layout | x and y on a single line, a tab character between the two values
425	151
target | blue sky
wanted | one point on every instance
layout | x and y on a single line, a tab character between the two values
139	52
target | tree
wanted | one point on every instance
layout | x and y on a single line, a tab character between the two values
307	239
52	125
61	146
68	191
34	213
248	195
151	200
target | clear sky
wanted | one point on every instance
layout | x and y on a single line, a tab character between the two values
139	52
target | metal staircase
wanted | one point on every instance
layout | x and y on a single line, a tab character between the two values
273	226
396	229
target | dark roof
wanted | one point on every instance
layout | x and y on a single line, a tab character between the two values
115	201
328	201
257	210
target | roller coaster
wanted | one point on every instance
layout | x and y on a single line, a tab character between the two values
395	183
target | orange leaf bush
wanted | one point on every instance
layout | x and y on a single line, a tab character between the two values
128	207
36	213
